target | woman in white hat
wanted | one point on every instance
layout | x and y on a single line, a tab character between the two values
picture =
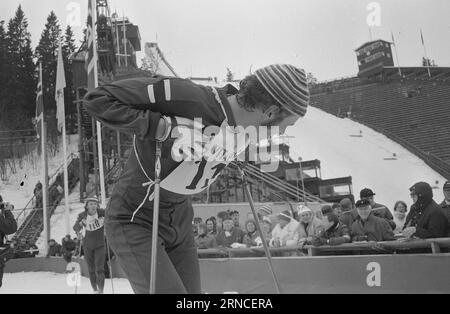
309	226
284	233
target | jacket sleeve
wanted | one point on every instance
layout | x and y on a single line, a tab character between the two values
343	238
391	223
77	226
387	233
437	228
135	106
8	224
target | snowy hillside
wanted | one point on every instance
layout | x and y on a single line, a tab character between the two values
335	142
18	189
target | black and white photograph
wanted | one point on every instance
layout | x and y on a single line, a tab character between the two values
224	152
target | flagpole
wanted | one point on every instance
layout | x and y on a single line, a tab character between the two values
99	125
45	216
60	85
396	55
426	55
45	168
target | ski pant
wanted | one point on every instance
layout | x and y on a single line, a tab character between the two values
178	270
95	259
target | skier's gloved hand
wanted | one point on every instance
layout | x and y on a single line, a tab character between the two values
164	128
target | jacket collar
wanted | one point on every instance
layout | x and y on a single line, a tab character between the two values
224	93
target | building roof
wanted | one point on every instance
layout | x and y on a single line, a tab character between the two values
371	42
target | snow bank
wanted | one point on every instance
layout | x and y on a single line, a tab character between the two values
51	283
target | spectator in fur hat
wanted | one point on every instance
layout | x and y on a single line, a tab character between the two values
284	233
309	226
426	219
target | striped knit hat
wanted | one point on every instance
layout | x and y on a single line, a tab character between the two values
287	85
265	210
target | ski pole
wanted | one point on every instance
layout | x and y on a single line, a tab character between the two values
258	226
79	258
110	267
155	219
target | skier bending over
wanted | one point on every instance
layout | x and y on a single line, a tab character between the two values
154	109
92	221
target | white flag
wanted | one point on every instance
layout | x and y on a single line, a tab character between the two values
59	90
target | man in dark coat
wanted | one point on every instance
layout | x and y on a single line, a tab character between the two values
8	225
378	210
335	232
445	205
368	227
426	220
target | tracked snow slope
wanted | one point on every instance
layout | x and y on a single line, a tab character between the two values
332	140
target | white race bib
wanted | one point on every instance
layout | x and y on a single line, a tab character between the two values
192	177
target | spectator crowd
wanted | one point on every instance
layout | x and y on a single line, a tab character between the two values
345	222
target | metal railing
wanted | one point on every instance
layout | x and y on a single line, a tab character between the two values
366	248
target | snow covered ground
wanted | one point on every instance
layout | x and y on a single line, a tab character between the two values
51	283
332	140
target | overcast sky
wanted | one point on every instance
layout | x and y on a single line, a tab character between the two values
204	37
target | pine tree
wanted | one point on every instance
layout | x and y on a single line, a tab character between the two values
4	69
21	84
69	48
47	53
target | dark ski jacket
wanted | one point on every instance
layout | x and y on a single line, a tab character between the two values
8	225
338	234
382	211
446	209
426	215
135	106
373	229
237	236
